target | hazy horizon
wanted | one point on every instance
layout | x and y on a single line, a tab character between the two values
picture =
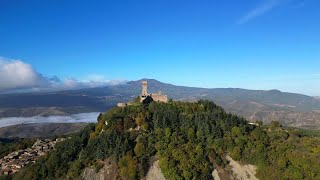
84	85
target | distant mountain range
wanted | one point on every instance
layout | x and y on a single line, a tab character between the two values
288	108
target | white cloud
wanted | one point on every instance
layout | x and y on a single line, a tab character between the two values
264	7
17	76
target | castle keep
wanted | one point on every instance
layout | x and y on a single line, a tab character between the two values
158	97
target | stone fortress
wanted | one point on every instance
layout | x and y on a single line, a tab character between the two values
158	97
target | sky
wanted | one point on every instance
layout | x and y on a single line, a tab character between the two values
251	44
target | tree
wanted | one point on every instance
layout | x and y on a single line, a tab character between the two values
128	167
139	149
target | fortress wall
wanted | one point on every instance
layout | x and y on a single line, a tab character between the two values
159	97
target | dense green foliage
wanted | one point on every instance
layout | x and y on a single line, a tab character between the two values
189	139
8	145
288	154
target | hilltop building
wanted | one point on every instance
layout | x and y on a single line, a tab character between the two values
158	97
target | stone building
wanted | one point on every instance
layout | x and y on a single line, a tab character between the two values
158	97
144	93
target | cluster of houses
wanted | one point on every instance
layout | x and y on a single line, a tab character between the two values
14	161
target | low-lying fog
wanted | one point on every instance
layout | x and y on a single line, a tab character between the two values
74	118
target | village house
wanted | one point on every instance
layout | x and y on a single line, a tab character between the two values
16	160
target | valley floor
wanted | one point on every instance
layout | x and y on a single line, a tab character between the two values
40	130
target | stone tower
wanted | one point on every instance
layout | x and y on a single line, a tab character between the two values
144	89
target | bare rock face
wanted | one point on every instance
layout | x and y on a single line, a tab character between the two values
154	172
242	172
108	172
89	173
215	175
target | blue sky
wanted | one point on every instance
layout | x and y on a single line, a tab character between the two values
252	44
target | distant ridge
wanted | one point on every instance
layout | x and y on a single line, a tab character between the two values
290	109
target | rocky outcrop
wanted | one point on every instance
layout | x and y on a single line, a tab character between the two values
154	172
215	175
242	172
108	172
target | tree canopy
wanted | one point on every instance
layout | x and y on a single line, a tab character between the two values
189	139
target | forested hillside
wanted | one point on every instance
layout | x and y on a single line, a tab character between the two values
189	139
